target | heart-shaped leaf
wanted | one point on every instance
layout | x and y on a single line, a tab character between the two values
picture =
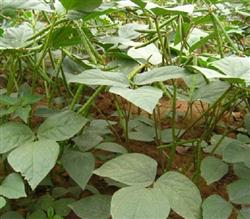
34	160
13	135
213	169
144	97
239	192
98	77
184	197
16	37
237	152
235	67
112	147
148	53
241	170
160	74
216	207
61	126
138	202
13	187
79	166
92	207
130	169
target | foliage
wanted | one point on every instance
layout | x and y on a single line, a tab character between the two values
59	145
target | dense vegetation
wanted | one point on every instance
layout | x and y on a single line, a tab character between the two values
124	109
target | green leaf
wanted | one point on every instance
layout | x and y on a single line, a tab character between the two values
29	99
239	192
34	160
120	42
98	77
144	97
179	10
92	207
11	215
8	100
140	3
198	38
79	166
160	74
216	207
237	152
209	73
65	36
184	197
146	135
130	169
86	5
23	113
13	187
87	140
45	202
57	217
167	136
129	31
39	214
210	92
61	206
13	135
242	171
98	13
243	138
140	203
112	147
213	169
215	139
59	192
7	111
148	53
2	202
235	67
16	37
142	132
23	4
244	213
61	126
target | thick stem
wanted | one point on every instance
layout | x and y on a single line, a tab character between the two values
173	127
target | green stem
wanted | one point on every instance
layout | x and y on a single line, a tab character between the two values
178	143
164	51
216	19
85	108
13	70
43	31
85	43
157	130
218	38
206	112
44	52
166	92
173	127
77	96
